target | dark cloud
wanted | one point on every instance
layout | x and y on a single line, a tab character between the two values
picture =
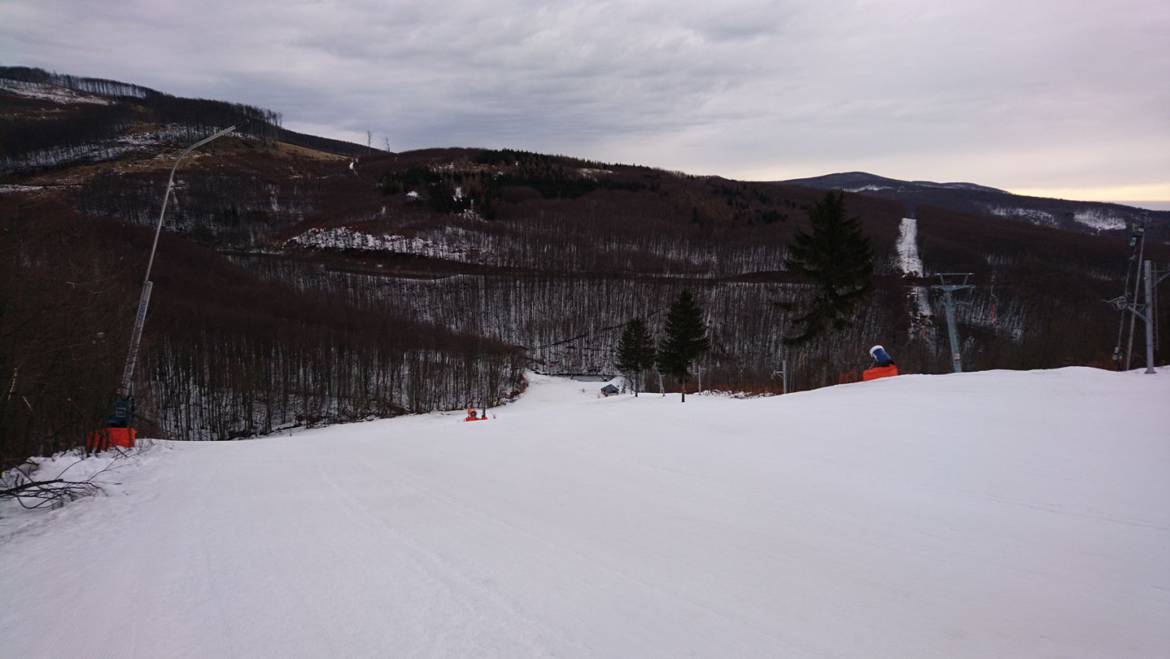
1013	94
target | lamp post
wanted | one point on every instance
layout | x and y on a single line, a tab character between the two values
123	407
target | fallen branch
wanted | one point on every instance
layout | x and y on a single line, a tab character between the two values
12	491
51	492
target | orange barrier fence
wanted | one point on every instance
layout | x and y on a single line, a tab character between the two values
879	372
101	440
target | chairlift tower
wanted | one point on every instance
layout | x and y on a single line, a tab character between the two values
1133	274
1145	311
951	283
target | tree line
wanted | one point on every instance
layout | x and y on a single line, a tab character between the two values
87	132
834	257
98	86
225	354
685	341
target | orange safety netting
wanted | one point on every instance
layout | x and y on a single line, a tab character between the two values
103	439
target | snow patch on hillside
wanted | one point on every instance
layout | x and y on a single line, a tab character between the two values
452	244
1032	215
10	188
974	187
593	174
57	156
167	134
46	92
868	188
1100	220
110	149
921	297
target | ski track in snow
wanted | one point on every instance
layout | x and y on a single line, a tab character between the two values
1007	514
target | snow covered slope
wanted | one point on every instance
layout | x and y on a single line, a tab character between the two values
1006	514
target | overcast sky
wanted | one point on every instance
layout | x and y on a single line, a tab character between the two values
1061	97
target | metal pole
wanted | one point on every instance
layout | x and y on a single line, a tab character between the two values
948	291
135	339
1136	241
144	298
1158	278
1154	308
1136	295
952	333
1150	318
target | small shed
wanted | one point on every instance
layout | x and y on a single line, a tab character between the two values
610	390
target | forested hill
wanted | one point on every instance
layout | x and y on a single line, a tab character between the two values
52	119
430	279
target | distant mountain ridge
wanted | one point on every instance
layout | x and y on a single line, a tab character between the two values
861	180
1082	216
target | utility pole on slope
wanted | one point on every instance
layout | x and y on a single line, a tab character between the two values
123	407
782	372
958	282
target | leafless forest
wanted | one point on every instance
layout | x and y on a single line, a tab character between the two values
303	280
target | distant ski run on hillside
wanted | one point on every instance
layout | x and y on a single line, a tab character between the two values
909	263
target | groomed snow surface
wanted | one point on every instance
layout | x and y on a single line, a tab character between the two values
994	514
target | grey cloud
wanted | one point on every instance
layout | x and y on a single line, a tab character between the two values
766	89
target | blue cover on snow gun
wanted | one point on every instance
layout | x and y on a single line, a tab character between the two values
880	356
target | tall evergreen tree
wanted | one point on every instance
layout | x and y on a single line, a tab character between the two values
635	352
838	260
686	339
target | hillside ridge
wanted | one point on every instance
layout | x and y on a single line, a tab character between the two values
447	271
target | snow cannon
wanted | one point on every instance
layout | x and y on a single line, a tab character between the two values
880	356
118	431
472	415
884	366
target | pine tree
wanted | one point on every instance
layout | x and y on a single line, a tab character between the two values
686	339
635	352
837	258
